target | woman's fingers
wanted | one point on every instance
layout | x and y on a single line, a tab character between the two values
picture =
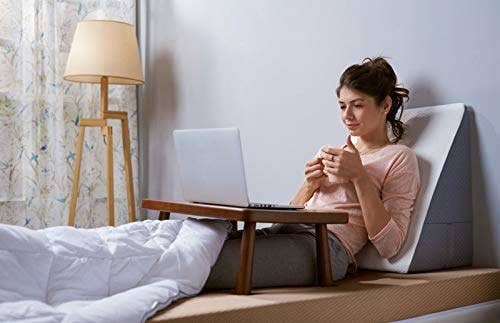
332	150
316	173
312	162
326	156
335	169
313	168
329	163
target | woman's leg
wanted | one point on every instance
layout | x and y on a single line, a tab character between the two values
285	255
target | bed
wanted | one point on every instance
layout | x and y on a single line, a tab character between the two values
431	273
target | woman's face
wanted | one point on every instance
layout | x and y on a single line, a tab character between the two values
360	113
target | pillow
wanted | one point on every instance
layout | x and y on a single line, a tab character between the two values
440	231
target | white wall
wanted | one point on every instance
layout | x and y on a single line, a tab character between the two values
270	67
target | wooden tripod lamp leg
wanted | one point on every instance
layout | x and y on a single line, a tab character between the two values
76	176
109	175
128	169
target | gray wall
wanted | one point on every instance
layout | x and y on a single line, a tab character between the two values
270	68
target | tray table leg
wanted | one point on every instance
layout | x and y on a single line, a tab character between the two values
323	256
163	215
244	276
234	225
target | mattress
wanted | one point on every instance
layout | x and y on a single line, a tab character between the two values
481	312
366	296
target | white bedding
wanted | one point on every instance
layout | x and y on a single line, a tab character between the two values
108	274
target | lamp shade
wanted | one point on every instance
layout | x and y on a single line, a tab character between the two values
104	48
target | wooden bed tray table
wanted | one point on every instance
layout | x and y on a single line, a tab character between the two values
250	216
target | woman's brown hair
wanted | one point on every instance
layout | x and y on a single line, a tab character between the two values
376	78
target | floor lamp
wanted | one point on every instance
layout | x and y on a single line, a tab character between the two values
104	52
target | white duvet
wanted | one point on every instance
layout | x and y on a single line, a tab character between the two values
108	274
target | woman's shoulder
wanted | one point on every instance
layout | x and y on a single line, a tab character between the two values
394	151
394	162
402	155
401	149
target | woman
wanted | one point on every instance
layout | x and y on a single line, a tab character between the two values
374	179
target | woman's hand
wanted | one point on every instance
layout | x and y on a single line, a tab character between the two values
313	174
313	177
343	162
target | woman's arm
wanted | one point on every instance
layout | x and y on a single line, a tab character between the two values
347	163
374	213
303	195
386	214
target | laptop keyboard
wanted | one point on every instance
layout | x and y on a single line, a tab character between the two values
274	206
264	205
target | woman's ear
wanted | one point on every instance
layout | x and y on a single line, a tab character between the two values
387	104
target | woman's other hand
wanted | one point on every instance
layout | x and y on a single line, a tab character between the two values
343	162
313	177
313	174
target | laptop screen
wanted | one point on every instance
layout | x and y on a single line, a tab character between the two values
211	166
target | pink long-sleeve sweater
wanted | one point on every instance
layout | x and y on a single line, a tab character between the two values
394	171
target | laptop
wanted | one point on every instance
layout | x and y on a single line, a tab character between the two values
212	170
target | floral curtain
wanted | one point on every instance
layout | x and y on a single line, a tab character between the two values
39	115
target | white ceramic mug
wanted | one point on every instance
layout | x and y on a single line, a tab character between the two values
333	179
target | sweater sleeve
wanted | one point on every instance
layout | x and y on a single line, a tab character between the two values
399	192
